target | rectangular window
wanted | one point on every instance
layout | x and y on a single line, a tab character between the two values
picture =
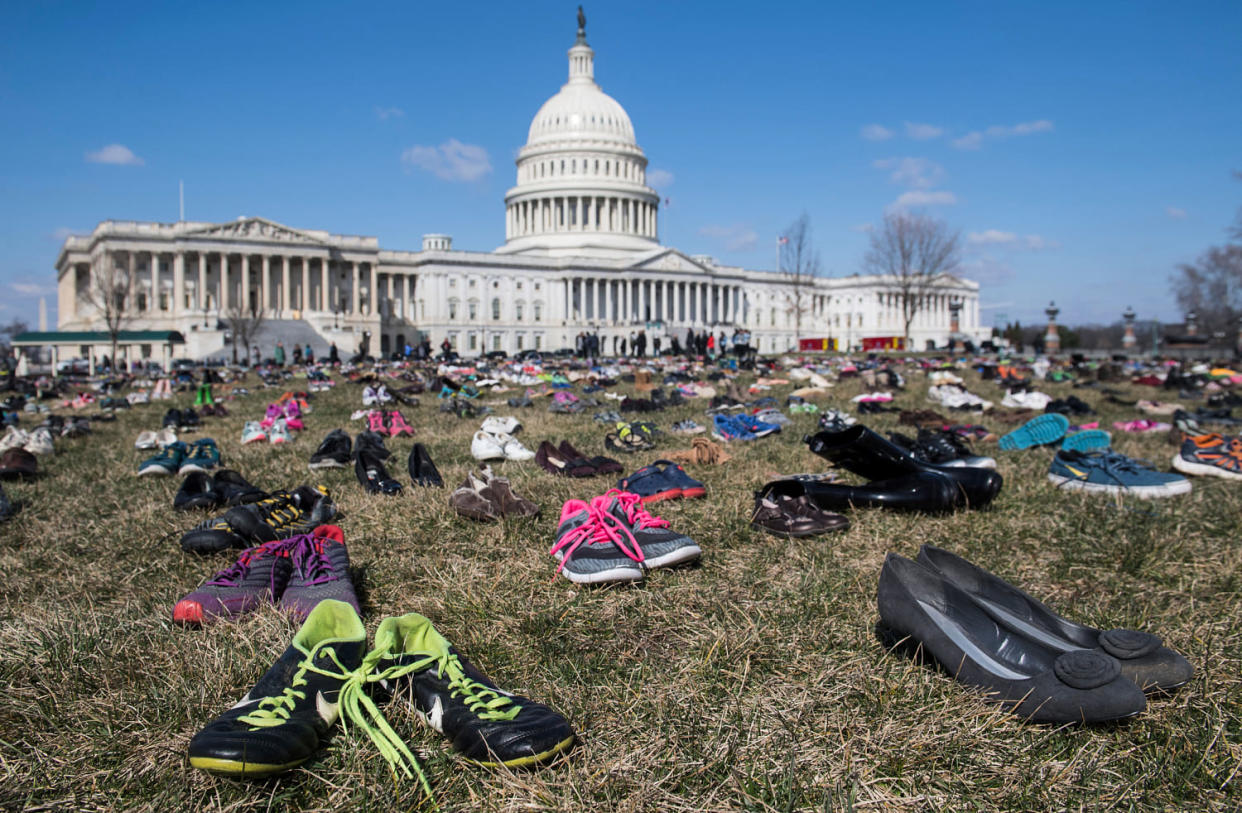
474	311
538	341
538	312
472	342
517	311
452	310
521	341
495	341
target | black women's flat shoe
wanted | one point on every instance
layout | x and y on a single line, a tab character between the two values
921	491
422	471
233	489
372	475
856	448
1143	658
919	608
197	492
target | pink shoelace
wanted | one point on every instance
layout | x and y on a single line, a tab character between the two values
601	528
638	516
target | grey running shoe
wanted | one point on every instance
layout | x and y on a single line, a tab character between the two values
659	546
320	570
258	576
593	547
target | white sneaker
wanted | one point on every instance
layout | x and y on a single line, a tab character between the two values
501	425
14	439
484	446
774	416
146	440
166	437
253	433
368	396
279	432
40	442
512	448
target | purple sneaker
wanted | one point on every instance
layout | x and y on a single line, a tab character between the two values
320	569
259	575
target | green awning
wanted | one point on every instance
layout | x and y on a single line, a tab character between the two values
36	337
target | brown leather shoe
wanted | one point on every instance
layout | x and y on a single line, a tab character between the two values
468	501
782	515
500	494
17	462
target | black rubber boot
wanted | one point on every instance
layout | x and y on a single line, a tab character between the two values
920	491
858	449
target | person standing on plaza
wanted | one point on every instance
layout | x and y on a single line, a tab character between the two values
280	354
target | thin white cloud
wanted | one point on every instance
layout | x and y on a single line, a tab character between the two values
988	271
974	139
451	161
1010	240
117	154
386	113
923	197
991	237
916	173
1175	213
659	178
61	233
923	132
863	228
32	289
738	237
875	132
970	141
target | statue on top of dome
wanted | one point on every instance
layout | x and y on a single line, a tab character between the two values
581	25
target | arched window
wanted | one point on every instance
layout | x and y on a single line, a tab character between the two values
496	308
538	308
517	311
472	311
452	309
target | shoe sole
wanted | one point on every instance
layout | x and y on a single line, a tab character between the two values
191	467
1088	440
687	554
325	464
1036	432
231	767
1203	469
661	496
534	759
154	471
1144	492
189	613
616	574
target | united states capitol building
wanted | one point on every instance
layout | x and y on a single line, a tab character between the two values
581	253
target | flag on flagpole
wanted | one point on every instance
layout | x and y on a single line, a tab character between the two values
780	241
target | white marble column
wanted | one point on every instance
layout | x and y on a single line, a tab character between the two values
265	289
178	294
245	283
226	292
286	296
326	300
356	307
372	290
201	299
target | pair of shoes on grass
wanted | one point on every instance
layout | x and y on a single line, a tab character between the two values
327	673
567	461
226	488
280	515
297	573
487	498
613	538
182	458
990	635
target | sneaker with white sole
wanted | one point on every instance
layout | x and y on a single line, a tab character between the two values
279	433
485	446
1112	473
593	547
501	425
253	433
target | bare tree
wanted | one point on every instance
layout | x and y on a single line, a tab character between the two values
917	251
244	322
799	266
1212	286
14	328
110	290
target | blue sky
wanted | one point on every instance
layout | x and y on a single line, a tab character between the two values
1082	149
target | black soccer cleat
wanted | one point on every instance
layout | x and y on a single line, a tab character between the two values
488	725
278	725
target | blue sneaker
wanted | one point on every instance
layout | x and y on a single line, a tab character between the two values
1089	440
167	462
651	483
1112	473
757	426
727	428
676	475
201	455
1047	428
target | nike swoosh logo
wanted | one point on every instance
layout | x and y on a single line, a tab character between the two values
245	701
327	711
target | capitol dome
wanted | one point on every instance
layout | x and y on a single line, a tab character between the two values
581	177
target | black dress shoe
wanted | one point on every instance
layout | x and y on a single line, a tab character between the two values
196	492
423	472
1143	659
372	474
233	489
923	613
921	491
858	449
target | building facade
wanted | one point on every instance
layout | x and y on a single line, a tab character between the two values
581	254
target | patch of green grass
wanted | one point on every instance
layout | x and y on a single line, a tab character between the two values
750	681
